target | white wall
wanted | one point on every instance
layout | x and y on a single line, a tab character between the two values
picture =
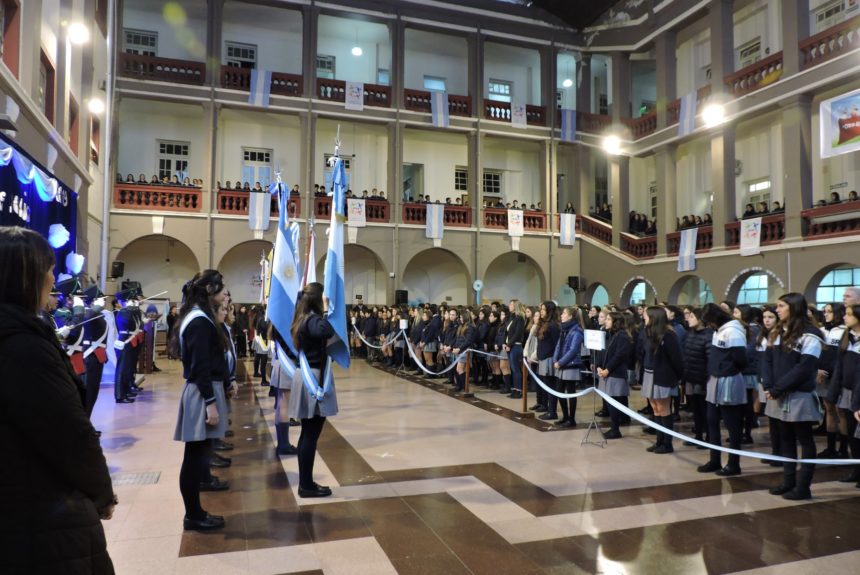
521	66
364	275
185	42
337	37
145	261
440	153
276	32
566	68
759	147
435	275
507	278
692	57
643	171
241	270
643	84
762	19
369	144
439	55
142	123
521	167
692	180
277	132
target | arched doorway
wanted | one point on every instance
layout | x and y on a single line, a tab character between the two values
241	269
691	290
437	275
828	285
598	295
160	263
513	275
364	275
755	286
638	290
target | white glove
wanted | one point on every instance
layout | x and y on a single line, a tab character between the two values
64	331
119	345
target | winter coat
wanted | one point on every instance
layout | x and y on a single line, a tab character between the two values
546	345
667	361
567	351
616	354
697	347
794	369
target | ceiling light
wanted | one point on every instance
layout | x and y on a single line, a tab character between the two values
612	145
96	106
357	51
78	33
567	83
713	115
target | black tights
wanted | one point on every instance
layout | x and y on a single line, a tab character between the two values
700	410
568	406
615	414
749	413
195	468
307	446
732	416
260	364
793	433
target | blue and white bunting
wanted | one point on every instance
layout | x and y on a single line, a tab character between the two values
687	250
687	114
567	229
439	109
259	209
261	85
435	223
333	282
286	281
568	125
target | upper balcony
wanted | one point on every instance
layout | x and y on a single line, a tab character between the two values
375	211
161	69
772	231
497	218
455	216
166	198
281	84
235	203
832	221
830	43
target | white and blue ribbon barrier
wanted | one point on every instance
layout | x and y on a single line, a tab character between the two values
310	380
453	363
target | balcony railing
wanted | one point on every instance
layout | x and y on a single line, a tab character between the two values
335	91
375	211
704	241
501	111
419	101
592	123
772	231
832	221
497	218
756	75
673	109
163	69
643	125
455	216
639	247
240	79
830	43
161	198
235	202
596	229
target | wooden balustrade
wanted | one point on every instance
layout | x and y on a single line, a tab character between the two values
501	111
414	214
281	84
772	231
534	221
162	69
830	43
592	123
322	208
375	211
643	125
497	219
756	75
596	229
639	247
284	84
335	91
235	202
419	101
455	216
832	221
161	198
704	241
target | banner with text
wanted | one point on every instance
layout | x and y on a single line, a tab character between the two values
751	237
840	124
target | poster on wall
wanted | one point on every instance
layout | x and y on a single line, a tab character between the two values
354	96
839	118
751	237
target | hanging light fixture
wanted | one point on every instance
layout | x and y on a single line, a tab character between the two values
356	50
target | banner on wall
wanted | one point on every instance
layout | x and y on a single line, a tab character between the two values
687	250
439	109
751	237
840	124
518	115
355	96
515	228
356	218
435	223
567	229
259	210
260	88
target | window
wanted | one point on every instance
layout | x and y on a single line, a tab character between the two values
257	166
383	77
639	293
500	90
600	297
95	139
434	83
73	125
10	41
45	97
833	285
492	183
327	170
758	192
652	194
140	42
172	158
325	67
461	179
241	55
347	161
828	15
749	53
754	290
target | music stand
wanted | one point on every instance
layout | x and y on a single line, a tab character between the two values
595	340
404	325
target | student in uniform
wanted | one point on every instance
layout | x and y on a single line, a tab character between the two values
612	370
844	385
547	336
697	346
514	341
751	318
261	348
430	337
833	330
726	392
281	383
791	363
490	346
504	359
530	354
449	337
768	323
482	325
465	339
662	363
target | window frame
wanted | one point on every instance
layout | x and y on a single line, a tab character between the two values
498	190
172	156
240	60
140	49
461	179
496	95
322	72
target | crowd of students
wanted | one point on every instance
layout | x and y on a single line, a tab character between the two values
724	363
162	181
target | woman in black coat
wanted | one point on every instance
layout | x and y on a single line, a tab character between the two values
663	367
54	479
697	346
612	369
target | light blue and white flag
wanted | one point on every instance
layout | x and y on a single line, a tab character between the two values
687	250
259	209
568	125
333	282
286	281
261	85
439	109
310	275
687	114
567	235
435	223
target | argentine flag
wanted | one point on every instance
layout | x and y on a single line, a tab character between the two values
333	282
439	109
687	250
286	281
687	114
568	125
261	85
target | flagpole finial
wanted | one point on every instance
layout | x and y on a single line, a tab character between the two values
337	143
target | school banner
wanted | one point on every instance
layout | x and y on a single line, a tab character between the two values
356	218
840	124
355	96
515	228
751	237
518	115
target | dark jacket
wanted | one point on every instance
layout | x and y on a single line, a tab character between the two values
54	477
203	359
501	335
794	369
568	352
449	336
483	328
313	337
546	345
516	331
616	354
371	327
432	329
490	340
846	370
417	328
752	368
467	339
667	361
728	354
697	347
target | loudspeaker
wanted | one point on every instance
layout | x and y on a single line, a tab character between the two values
401	297
117	269
573	282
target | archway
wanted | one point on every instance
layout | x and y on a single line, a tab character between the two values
364	275
597	295
159	263
437	275
691	290
755	286
638	290
240	267
513	275
828	284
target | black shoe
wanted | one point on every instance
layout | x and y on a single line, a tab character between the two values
612	434
315	491
125	400
214	484
221	445
229	433
781	489
155	369
219	463
728	471
535	407
602	413
828	454
650	431
264	383
207	523
746	440
798	494
852	477
220	457
652	448
516	394
288	450
294	422
708	467
566	423
256	375
663	448
548	416
457	388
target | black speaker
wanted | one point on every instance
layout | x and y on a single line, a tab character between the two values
401	297
117	269
573	282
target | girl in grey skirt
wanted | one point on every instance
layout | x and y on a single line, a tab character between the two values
844	386
663	366
612	370
203	408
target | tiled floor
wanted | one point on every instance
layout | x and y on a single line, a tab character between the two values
428	483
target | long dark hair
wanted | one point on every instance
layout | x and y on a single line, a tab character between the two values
25	258
838	310
196	293
846	337
798	320
658	326
551	318
465	321
765	332
310	301
714	316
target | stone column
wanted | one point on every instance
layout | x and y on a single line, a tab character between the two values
796	162
585	173
62	71
548	84
620	87
667	195
310	19
619	195
722	44
31	47
476	73
395	168
397	30
214	34
475	177
583	87
308	128
723	182
795	27
666	75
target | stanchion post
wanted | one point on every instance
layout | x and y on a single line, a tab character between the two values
466	391
525	385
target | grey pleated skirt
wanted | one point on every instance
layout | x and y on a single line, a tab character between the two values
569	374
545	368
772	408
303	406
614	386
695	388
431	347
503	355
191	419
462	360
799	406
652	391
730	390
750	380
279	379
845	399
761	396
